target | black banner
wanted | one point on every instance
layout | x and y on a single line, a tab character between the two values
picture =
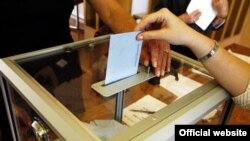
198	132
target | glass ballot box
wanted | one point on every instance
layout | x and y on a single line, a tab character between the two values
58	94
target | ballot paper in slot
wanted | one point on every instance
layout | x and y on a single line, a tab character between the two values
123	56
207	12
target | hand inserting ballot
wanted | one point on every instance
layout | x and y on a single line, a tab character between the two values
156	54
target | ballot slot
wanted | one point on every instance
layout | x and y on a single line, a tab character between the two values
118	80
123	84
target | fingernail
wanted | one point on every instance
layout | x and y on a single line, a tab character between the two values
140	37
158	73
146	63
162	73
168	69
155	64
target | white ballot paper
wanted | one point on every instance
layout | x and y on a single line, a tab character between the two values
141	109
181	87
207	12
123	56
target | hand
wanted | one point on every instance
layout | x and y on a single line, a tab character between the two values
221	6
159	52
171	28
190	18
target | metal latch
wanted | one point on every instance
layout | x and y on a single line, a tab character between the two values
40	130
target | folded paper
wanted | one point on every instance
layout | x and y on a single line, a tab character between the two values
123	56
207	12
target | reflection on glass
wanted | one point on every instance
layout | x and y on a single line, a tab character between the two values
68	76
24	118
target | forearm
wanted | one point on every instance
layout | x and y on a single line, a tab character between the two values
113	15
229	71
232	73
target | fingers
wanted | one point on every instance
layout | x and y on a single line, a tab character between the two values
194	16
145	57
161	68
160	55
164	62
154	51
153	34
171	29
166	58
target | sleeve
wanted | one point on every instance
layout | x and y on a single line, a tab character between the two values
243	100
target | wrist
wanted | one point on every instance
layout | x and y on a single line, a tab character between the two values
210	54
218	22
202	46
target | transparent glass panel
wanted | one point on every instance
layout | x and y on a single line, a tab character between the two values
152	95
28	125
69	71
